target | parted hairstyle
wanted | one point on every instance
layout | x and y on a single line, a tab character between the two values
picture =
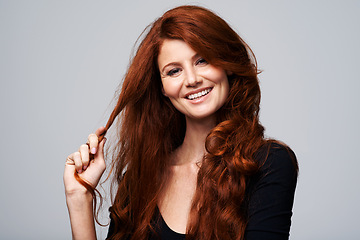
150	129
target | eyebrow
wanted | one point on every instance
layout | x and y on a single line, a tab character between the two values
177	63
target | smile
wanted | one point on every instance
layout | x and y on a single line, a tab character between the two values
199	94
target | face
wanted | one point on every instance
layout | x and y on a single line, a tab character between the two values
195	87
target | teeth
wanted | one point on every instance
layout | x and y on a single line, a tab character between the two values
199	94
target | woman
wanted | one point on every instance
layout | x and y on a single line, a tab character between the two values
191	161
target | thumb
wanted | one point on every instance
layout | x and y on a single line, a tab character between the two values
100	152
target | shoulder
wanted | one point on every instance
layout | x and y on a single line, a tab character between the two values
271	193
277	157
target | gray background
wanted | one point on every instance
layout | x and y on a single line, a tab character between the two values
61	61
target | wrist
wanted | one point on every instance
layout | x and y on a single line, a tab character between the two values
79	199
77	192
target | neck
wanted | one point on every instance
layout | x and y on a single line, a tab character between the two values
193	148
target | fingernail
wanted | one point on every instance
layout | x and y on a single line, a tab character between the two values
80	171
93	150
85	167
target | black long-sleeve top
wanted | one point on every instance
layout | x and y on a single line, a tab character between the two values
270	198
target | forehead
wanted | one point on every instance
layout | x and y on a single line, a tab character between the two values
174	50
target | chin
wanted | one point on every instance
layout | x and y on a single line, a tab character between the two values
201	116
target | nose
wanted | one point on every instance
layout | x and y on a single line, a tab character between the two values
192	78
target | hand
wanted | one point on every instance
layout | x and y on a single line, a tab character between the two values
89	170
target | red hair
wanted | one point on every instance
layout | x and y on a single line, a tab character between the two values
150	129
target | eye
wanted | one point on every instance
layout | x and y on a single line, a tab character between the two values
201	61
173	72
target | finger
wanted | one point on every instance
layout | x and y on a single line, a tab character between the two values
78	162
99	160
94	138
93	142
70	160
101	149
100	131
69	167
84	153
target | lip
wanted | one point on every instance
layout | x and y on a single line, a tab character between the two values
197	91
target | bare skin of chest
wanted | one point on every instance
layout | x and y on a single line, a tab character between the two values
176	198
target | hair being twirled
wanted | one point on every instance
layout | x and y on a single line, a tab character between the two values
150	129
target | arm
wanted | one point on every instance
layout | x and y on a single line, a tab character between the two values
79	201
80	206
271	197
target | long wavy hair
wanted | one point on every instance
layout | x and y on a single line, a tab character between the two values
150	129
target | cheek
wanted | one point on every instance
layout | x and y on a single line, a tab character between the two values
223	82
171	88
216	75
220	77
